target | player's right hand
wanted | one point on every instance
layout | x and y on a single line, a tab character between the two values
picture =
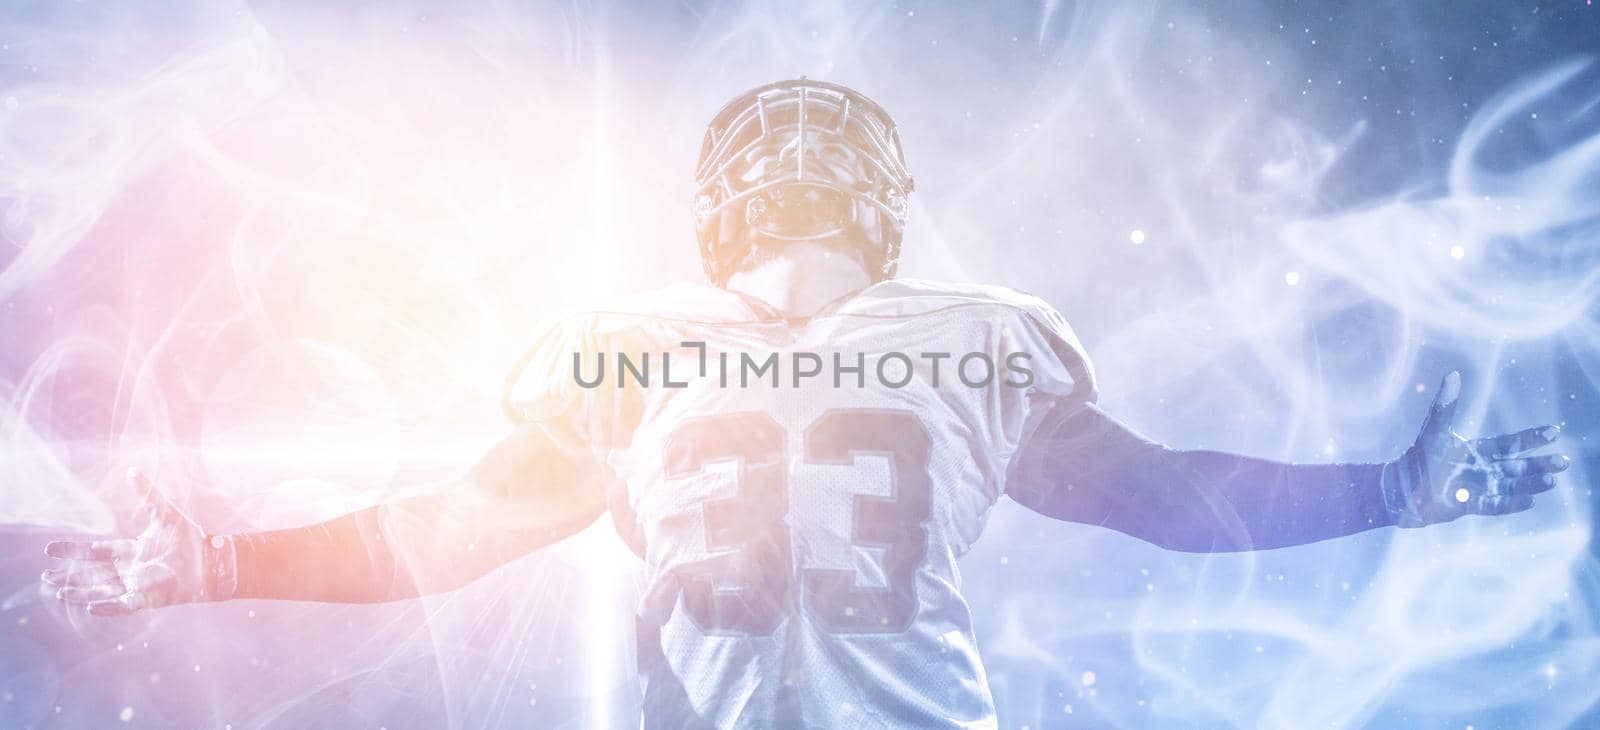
164	565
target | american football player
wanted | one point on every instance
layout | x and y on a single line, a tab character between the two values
800	449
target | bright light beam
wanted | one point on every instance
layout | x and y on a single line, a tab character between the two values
600	594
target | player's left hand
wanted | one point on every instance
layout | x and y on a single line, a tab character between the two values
1444	476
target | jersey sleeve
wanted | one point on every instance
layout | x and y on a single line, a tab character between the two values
1060	367
1062	381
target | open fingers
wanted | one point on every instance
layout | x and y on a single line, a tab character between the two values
1533	466
82	573
90	594
1510	444
1503	504
153	508
90	549
1479	492
1528	485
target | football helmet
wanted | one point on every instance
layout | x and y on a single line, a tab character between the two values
800	160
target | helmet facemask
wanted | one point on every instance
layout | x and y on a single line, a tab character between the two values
800	161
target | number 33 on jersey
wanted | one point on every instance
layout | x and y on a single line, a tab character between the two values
800	534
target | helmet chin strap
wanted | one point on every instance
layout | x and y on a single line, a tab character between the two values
801	212
818	236
809	213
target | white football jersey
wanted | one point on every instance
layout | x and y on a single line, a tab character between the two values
800	522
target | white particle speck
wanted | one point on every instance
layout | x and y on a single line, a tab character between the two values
126	714
1458	253
1292	278
1088	679
197	667
1422	388
1462	495
1137	236
1004	559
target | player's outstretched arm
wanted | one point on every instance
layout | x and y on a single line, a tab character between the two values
1084	466
528	491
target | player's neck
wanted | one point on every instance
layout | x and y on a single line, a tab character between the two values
801	279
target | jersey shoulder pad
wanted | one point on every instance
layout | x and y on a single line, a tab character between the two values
929	295
1038	321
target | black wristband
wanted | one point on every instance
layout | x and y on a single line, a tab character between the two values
220	561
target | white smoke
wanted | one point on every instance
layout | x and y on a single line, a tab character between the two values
281	258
